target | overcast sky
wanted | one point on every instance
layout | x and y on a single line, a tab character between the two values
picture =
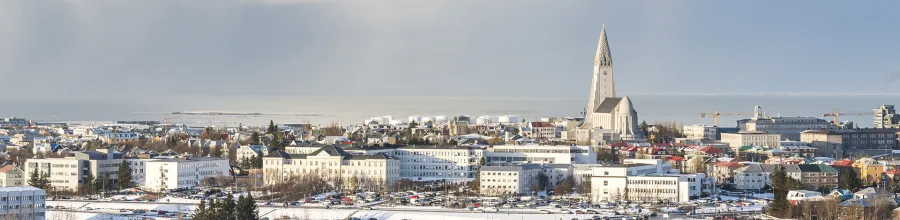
511	48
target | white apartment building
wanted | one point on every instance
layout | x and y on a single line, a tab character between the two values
249	151
138	170
737	140
69	172
508	180
23	202
522	154
644	180
753	177
115	138
11	175
702	132
332	162
540	130
171	173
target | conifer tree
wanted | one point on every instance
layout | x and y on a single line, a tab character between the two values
228	209
124	175
201	213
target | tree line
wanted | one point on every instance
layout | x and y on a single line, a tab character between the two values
228	209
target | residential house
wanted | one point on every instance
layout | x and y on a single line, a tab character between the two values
11	175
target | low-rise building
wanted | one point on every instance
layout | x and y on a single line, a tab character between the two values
11	175
68	173
755	177
23	202
508	180
702	132
333	163
644	180
175	173
737	140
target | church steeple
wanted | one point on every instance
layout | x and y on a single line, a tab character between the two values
604	56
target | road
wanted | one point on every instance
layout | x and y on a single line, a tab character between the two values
344	211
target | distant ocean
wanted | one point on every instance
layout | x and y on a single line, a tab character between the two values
684	109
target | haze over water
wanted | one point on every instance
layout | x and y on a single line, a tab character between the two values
683	109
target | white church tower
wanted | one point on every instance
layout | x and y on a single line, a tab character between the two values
603	84
607	113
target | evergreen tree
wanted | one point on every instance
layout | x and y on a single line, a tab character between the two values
228	208
257	162
88	186
254	138
240	211
849	179
124	175
272	128
34	179
101	184
780	187
249	207
201	213
216	151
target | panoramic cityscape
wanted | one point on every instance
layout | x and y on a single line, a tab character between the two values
239	147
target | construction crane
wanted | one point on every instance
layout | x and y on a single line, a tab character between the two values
838	112
716	114
166	123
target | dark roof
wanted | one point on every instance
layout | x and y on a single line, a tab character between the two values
381	156
816	168
330	150
608	105
285	155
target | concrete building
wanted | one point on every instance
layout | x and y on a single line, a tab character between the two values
23	202
644	180
459	125
737	140
246	152
68	173
842	142
789	127
755	177
508	180
523	154
333	163
604	109
702	132
541	130
886	117
118	138
11	175
171	174
827	142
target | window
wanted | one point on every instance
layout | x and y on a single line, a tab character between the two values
606	183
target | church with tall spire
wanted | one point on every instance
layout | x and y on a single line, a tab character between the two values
606	113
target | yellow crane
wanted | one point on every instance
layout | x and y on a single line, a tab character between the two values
838	112
716	115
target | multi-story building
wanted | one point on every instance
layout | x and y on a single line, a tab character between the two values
23	202
723	172
886	117
14	122
755	177
459	125
508	180
702	132
826	142
138	170
644	180
333	163
522	154
171	173
69	172
840	142
541	130
11	175
789	127
247	152
117	138
737	140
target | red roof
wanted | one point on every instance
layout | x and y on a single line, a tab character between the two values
711	150
676	158
630	148
681	144
842	163
661	144
892	171
728	164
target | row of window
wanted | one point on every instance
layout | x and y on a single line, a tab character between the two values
17	198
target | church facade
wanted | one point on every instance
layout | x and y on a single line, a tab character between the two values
605	113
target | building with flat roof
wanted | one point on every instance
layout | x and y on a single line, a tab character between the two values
23	202
68	173
645	180
509	180
176	173
737	140
885	117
